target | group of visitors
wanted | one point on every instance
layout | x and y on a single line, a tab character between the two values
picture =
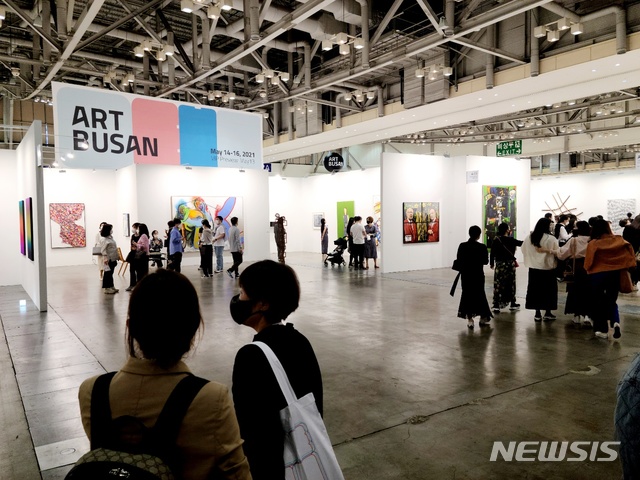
362	242
217	438
596	261
144	249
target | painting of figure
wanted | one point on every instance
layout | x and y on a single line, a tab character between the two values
499	205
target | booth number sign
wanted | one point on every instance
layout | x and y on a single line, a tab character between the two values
506	149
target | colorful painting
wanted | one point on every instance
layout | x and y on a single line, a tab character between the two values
317	218
23	240
345	211
421	222
191	210
68	228
377	216
499	205
28	211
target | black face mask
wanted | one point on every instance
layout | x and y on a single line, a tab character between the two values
241	310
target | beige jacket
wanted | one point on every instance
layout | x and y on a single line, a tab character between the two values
209	436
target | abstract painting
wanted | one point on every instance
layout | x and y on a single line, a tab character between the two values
499	205
68	227
317	219
345	210
421	222
23	221
191	210
617	210
28	211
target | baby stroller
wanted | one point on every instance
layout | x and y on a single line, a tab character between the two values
335	257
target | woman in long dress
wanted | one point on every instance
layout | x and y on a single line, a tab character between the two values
472	257
539	250
324	240
574	252
503	250
370	247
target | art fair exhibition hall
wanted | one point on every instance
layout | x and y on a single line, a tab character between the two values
410	393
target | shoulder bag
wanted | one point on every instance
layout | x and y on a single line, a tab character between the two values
308	453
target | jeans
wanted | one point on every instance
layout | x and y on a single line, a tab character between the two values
237	260
219	251
206	259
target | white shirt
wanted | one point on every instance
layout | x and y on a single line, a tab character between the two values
358	234
540	261
577	245
218	230
563	236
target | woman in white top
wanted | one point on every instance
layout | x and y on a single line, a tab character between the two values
98	243
578	290
359	235
542	288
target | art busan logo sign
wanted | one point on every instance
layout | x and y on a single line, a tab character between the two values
333	162
579	451
104	129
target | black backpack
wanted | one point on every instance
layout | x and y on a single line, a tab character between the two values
124	448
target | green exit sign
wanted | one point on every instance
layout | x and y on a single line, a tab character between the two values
506	149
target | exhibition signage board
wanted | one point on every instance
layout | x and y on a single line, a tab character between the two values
333	162
102	129
506	149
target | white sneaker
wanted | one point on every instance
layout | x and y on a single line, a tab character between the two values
576	319
587	322
602	335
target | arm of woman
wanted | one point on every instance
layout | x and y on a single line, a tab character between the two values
564	251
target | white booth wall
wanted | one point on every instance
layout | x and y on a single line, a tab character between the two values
10	240
299	198
586	194
430	178
144	192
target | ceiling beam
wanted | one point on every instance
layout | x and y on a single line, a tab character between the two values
385	21
431	15
27	19
331	104
490	50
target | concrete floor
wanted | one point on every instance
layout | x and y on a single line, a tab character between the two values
410	392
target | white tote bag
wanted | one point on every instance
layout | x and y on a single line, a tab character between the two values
308	454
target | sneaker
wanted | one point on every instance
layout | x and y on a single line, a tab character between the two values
128	289
602	335
217	271
587	322
496	310
576	319
549	316
537	318
514	306
616	330
237	275
484	321
110	291
230	273
470	324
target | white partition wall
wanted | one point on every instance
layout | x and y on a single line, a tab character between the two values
10	239
586	194
33	273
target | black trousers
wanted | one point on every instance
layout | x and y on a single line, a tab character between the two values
174	262
206	259
133	271
358	254
237	260
107	276
142	267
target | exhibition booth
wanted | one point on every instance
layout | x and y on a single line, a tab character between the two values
56	211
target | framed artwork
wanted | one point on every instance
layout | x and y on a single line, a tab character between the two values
22	226
499	205
126	225
68	227
28	211
421	222
617	210
191	210
345	210
317	217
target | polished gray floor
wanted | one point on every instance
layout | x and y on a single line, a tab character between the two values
410	392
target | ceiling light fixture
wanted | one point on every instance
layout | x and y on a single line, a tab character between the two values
226	5
260	78
284	76
327	45
577	28
213	11
342	38
129	78
419	72
553	35
3	12
358	43
564	24
168	50
187	6
540	31
344	49
138	51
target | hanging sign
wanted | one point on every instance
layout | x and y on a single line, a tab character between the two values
508	149
104	129
333	162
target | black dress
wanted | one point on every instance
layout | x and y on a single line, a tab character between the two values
472	257
258	398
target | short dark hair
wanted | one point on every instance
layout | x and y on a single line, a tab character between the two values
164	331
369	219
623	223
218	217
272	283
234	220
170	224
564	217
176	221
135	225
583	228
475	232
600	228
503	228
548	215
206	223
106	230
357	218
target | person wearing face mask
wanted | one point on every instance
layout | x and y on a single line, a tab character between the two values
218	242
131	257
109	251
269	292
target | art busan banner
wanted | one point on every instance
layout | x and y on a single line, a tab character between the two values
109	130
